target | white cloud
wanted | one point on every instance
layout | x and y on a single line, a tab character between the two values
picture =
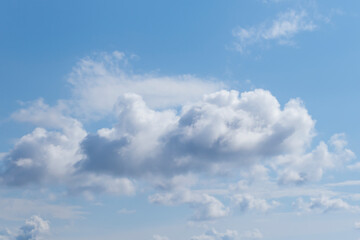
225	132
357	225
345	183
251	234
5	234
205	207
245	134
88	184
282	30
35	228
50	156
178	182
248	202
298	169
324	204
126	211
256	173
221	131
159	237
354	167
41	114
215	235
44	155
41	156
98	82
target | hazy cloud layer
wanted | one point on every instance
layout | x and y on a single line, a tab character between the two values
215	235
205	207
252	234
159	237
99	81
357	225
19	208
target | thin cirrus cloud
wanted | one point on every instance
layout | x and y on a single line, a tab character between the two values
281	30
15	209
215	235
159	237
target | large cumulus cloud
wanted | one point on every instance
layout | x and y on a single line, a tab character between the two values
225	129
168	139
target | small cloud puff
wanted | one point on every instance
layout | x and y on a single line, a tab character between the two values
126	211
35	228
247	202
226	131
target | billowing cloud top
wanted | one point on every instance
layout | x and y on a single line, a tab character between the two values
225	128
224	132
222	129
35	228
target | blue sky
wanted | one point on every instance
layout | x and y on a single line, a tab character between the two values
199	120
